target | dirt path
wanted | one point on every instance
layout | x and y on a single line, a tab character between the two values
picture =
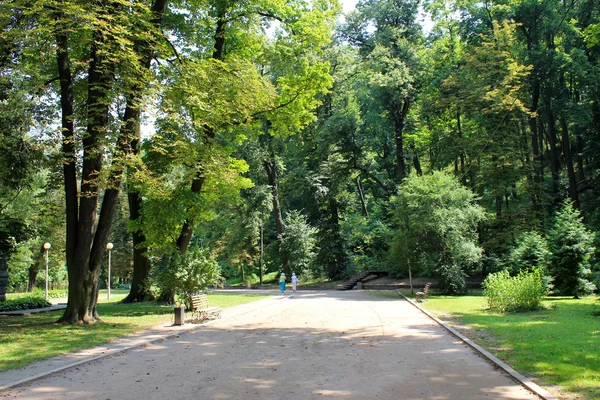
311	345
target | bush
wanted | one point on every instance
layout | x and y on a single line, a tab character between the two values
507	293
28	302
186	274
452	280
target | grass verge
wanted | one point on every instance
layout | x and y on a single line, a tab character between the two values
559	344
24	340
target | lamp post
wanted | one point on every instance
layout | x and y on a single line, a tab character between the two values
47	247
109	247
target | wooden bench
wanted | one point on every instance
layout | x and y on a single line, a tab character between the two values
423	295
201	311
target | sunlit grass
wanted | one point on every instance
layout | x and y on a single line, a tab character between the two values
27	339
559	344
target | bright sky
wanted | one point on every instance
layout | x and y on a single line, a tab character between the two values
348	5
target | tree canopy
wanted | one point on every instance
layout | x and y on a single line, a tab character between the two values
275	135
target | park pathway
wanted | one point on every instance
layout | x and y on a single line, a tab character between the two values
309	345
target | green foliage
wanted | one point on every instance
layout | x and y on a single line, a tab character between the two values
437	221
185	274
530	250
505	293
452	279
367	240
28	302
299	242
572	247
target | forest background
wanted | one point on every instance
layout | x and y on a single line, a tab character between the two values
279	136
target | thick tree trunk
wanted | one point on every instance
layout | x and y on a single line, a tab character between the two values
32	273
271	169
140	283
68	145
84	271
566	144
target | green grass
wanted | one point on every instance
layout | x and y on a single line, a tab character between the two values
559	344
24	340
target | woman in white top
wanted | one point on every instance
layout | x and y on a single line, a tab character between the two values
294	281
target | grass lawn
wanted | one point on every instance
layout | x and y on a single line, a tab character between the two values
24	340
559	345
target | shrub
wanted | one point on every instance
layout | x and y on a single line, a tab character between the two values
186	274
452	279
505	293
27	302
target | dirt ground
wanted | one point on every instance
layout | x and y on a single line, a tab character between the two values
308	345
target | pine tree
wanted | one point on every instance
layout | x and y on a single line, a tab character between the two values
571	244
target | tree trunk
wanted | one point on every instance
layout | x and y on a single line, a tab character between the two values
32	273
338	250
83	268
3	278
185	237
579	157
417	165
399	139
262	254
554	155
68	144
35	268
271	169
361	195
498	206
140	283
566	144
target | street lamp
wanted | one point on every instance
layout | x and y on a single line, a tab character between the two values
47	247
109	247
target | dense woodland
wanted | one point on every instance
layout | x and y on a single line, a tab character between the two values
235	138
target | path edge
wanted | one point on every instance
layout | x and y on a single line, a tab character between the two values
523	380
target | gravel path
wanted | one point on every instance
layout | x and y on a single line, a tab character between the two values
309	345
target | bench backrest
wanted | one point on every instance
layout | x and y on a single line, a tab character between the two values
199	301
426	290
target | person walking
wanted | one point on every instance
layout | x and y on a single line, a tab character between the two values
294	282
282	282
